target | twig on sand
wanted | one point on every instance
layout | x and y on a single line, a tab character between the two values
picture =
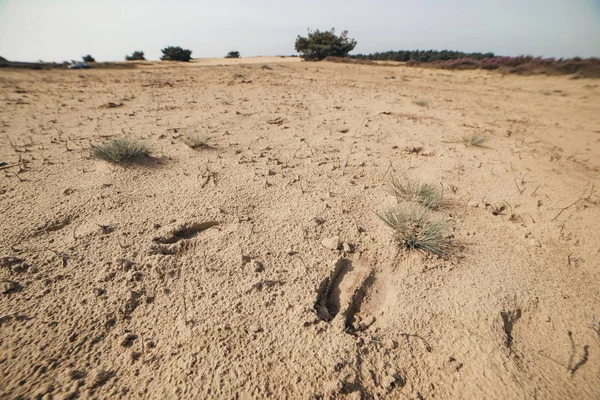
570	205
9	166
63	256
8	315
185	321
122	245
386	171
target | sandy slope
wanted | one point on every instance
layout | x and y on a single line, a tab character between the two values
196	274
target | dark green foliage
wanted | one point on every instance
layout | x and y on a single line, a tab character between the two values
446	59
176	53
423	55
121	150
136	56
233	54
88	58
318	45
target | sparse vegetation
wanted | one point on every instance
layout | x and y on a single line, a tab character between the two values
265	66
233	54
583	67
415	229
317	45
197	141
422	103
121	150
176	53
136	56
427	194
474	140
88	58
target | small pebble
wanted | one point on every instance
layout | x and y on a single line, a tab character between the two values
332	243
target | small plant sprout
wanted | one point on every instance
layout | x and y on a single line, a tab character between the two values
474	140
121	150
415	229
197	141
427	194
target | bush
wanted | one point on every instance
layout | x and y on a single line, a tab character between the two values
136	56
121	150
233	54
318	45
176	53
88	58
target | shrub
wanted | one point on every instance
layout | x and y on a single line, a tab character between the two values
88	58
136	56
233	54
318	45
427	194
415	229
121	150
474	140
176	53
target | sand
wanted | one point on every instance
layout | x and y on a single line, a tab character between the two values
258	268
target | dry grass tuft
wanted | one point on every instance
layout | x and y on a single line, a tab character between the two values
121	150
197	141
427	194
474	140
422	103
415	229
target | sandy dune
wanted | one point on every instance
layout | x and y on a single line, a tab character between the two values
213	273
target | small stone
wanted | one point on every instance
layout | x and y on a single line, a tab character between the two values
390	344
100	377
347	248
44	389
74	374
319	220
7	287
257	266
128	340
392	380
332	243
334	387
367	322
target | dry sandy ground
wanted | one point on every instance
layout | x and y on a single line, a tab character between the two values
196	274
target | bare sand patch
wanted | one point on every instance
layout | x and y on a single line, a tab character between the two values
256	266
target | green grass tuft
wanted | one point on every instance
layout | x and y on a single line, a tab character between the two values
121	150
474	140
429	195
415	229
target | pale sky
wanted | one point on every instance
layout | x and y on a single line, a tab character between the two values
59	30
